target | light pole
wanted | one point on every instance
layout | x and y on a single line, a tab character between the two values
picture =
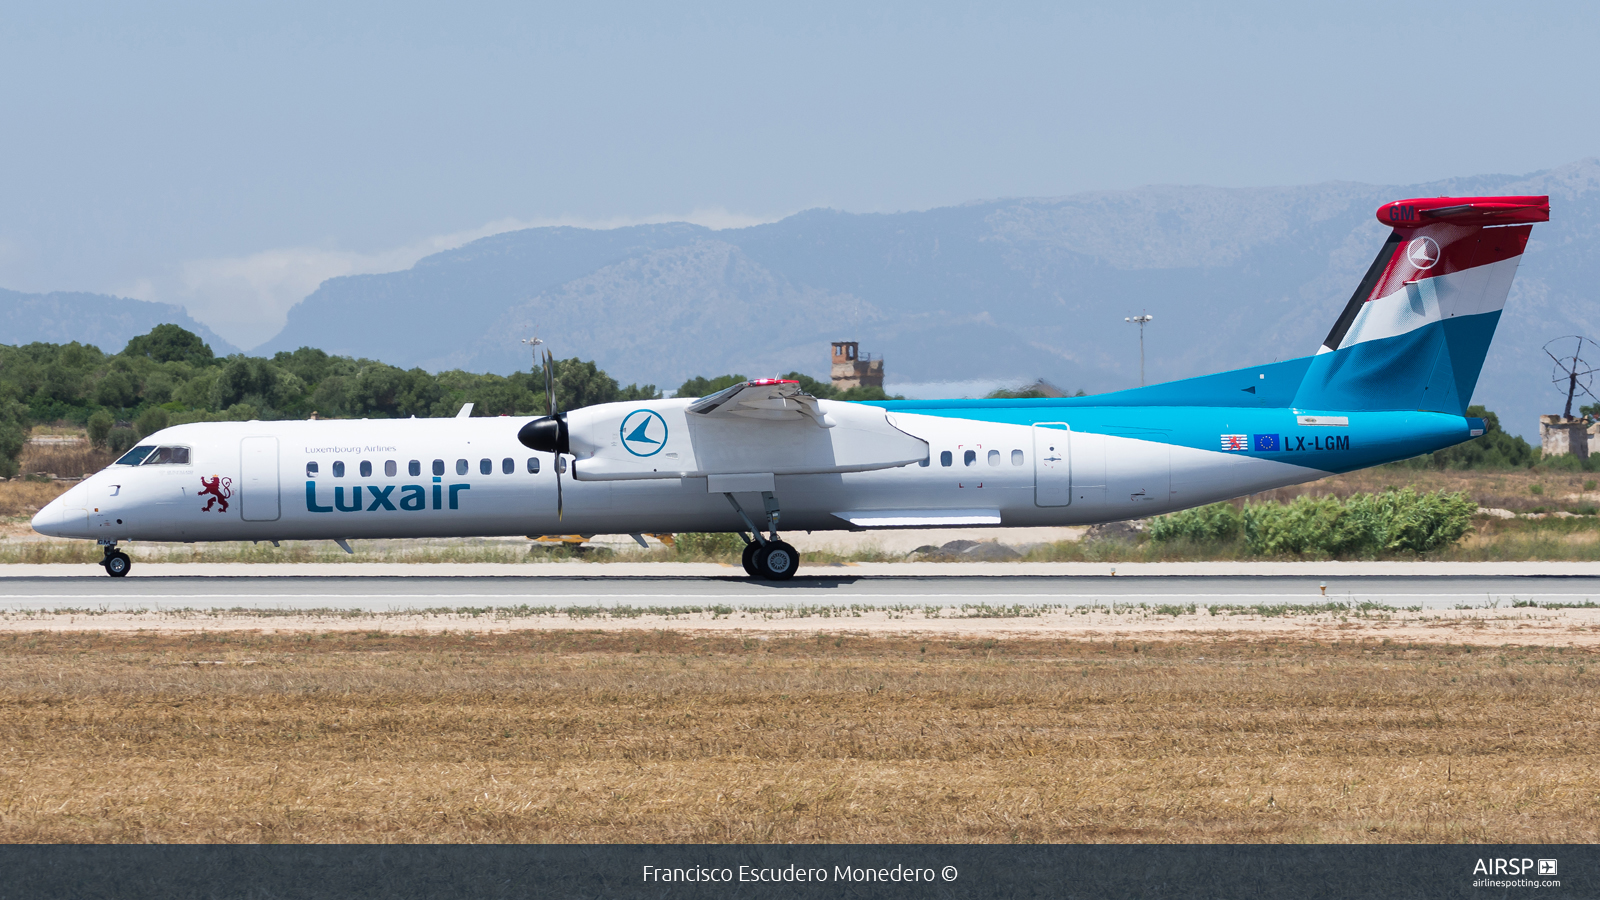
1142	321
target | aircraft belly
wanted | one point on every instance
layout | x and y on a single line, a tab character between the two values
990	476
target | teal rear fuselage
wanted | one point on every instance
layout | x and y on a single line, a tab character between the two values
1208	413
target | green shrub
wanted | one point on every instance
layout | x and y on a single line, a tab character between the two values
1217	522
13	435
708	544
100	425
151	421
1408	522
121	440
1365	525
1307	525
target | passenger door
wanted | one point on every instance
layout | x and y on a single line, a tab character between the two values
258	479
1052	464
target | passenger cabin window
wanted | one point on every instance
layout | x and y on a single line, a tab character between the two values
969	457
945	459
461	467
311	469
438	467
366	468
338	468
994	457
508	465
485	467
414	468
923	462
135	456
1016	457
533	465
168	456
389	468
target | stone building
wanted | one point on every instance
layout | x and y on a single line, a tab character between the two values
852	369
1559	436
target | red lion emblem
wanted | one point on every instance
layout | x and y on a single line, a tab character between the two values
220	490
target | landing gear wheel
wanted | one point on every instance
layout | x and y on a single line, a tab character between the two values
749	559
776	561
117	564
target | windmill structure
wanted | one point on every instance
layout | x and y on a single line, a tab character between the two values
1574	376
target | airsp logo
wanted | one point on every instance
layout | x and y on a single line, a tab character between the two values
644	432
1423	253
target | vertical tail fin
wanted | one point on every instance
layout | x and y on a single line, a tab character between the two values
1415	333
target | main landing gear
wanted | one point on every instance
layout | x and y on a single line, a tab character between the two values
116	562
766	557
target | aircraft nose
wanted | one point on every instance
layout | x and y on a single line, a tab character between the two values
55	519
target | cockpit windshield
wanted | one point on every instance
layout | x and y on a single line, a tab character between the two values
168	456
135	456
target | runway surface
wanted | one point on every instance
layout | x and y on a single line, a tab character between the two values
426	592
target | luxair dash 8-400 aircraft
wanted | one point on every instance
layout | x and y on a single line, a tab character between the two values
1391	381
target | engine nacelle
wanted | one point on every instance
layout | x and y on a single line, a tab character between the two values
664	439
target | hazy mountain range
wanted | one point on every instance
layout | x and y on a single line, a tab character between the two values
61	317
1005	289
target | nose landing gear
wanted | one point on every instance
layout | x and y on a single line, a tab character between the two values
116	562
766	557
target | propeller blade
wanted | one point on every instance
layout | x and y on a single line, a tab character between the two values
554	413
549	385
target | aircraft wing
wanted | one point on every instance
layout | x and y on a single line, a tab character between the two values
756	428
766	398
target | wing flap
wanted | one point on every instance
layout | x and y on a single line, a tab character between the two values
765	398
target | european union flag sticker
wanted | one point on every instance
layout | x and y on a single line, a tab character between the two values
1264	442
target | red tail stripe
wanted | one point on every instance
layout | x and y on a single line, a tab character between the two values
1457	248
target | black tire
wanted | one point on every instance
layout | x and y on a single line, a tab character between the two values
777	561
749	559
117	564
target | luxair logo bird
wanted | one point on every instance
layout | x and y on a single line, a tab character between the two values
644	432
1423	253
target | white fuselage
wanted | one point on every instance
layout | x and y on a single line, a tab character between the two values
997	474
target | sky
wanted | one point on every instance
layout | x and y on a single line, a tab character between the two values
229	157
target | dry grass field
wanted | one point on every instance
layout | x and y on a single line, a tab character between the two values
1519	490
72	460
662	736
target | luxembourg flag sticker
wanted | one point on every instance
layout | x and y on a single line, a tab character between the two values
1235	442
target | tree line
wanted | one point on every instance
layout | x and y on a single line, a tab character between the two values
171	377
